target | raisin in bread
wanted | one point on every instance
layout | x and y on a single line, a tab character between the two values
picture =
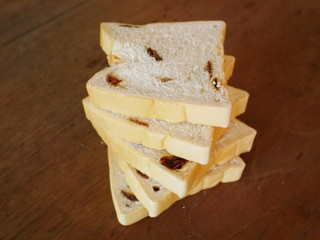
169	71
190	141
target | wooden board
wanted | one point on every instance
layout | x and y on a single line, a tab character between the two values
53	168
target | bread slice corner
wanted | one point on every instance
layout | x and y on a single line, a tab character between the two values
128	209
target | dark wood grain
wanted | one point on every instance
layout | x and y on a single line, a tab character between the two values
53	169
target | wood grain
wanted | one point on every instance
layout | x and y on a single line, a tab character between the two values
53	168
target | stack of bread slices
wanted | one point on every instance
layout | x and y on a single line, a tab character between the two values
165	111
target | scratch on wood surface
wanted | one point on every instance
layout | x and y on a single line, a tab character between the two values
299	156
306	232
192	232
277	172
238	232
300	134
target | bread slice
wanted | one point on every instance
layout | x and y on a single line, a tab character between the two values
156	198
189	141
128	209
177	174
169	71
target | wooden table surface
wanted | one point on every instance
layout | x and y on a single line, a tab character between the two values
53	168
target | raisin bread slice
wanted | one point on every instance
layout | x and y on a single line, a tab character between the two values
169	71
156	198
190	141
128	208
178	43
174	173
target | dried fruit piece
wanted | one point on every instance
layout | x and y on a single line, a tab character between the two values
113	80
129	26
216	83
128	195
142	174
153	53
173	162
166	79
156	188
208	68
139	122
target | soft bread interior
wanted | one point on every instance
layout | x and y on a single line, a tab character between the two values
171	42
